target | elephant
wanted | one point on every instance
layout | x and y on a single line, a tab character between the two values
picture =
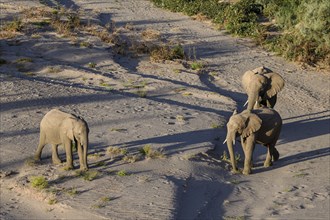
262	86
261	126
58	127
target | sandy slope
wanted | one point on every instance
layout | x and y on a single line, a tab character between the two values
185	185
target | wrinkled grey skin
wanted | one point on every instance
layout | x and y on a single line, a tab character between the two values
57	128
261	126
262	85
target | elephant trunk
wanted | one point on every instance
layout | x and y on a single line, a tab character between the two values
252	100
230	142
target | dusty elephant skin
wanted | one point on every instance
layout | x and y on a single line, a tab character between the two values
262	126
262	86
58	127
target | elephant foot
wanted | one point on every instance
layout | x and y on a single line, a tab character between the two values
57	161
247	171
276	155
37	158
268	164
83	169
68	168
235	171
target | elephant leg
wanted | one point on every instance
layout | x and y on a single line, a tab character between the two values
42	143
55	158
84	154
249	146
271	101
80	154
245	150
275	155
268	161
68	151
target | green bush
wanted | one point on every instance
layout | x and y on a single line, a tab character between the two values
305	29
241	18
303	25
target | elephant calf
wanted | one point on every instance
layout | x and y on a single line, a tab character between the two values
262	126
262	85
57	128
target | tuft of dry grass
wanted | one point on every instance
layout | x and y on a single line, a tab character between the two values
200	17
88	175
115	151
151	153
54	69
131	158
38	182
31	162
37	12
196	65
94	156
180	118
165	52
24	60
72	191
142	93
150	34
52	201
122	173
11	29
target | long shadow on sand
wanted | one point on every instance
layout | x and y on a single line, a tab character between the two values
200	199
175	143
314	125
63	3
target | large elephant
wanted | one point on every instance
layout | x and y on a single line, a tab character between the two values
57	128
261	126
262	86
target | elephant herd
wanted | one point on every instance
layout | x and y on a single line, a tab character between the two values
259	123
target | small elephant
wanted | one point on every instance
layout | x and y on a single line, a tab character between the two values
57	128
262	86
261	126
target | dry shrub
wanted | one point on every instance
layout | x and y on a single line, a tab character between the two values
131	158
11	29
165	52
200	17
116	151
37	12
150	34
151	153
8	34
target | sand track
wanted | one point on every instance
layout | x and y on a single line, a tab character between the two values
178	116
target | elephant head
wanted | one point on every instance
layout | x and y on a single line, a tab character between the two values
262	86
76	129
243	124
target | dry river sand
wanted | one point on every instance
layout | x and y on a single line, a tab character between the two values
183	114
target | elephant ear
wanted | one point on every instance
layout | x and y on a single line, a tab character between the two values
253	124
69	126
260	70
276	84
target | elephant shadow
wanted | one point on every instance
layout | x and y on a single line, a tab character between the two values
193	202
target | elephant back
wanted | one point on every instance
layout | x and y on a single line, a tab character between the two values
268	115
54	117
